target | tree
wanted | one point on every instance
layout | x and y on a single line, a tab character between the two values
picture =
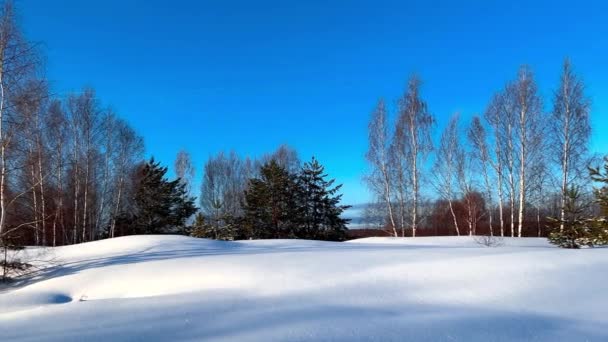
379	180
184	169
222	189
202	229
85	114
493	116
527	107
474	207
129	147
446	168
160	206
516	115
600	224
570	131
573	230
285	156
18	63
413	138
57	131
319	204
29	151
270	204
481	153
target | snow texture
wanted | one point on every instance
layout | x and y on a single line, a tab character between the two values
171	288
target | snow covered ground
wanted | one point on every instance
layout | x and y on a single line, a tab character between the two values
148	288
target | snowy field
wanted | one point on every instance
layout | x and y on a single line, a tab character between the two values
170	288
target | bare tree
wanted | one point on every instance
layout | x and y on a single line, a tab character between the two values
85	123
401	183
379	179
539	179
493	117
446	167
184	169
222	188
56	131
130	148
18	62
528	106
508	149
481	153
413	136
472	201
285	156
570	131
108	154
28	118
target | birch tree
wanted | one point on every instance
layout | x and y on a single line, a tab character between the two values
30	148
56	132
85	116
184	169
18	62
379	180
222	188
413	133
528	106
446	167
129	153
480	151
570	131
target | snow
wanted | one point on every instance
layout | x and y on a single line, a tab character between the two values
171	288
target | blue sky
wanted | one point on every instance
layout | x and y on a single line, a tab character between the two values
251	75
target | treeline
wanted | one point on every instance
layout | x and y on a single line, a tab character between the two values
65	162
276	196
504	172
72	171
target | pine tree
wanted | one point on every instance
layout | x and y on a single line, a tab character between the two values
160	206
270	207
319	209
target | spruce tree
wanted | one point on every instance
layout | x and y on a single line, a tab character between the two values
600	224
319	204
270	208
573	229
160	206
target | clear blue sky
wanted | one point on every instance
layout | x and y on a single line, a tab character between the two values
250	75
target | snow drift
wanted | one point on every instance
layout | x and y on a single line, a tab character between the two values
425	289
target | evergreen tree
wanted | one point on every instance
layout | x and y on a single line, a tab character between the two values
600	224
319	208
270	206
574	228
160	206
222	229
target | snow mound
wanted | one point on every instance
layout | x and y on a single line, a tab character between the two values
172	288
452	241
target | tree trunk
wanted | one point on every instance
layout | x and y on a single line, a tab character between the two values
454	217
2	152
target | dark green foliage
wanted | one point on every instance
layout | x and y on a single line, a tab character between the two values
270	204
283	205
160	206
577	229
580	229
221	230
600	224
319	204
